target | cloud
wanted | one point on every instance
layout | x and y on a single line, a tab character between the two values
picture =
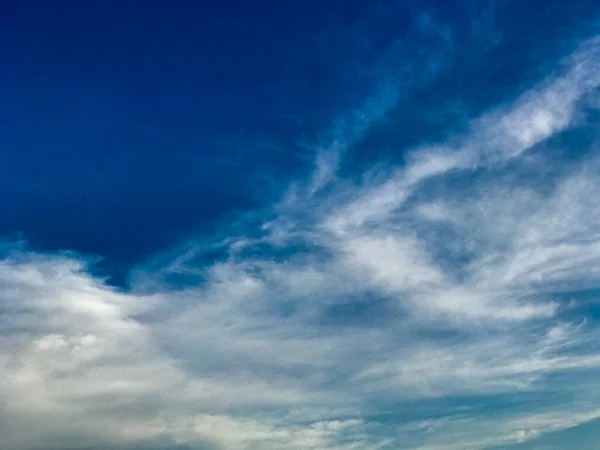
359	317
495	138
464	431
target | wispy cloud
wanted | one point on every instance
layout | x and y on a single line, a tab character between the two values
446	280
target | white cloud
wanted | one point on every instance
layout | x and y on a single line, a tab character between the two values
494	138
458	291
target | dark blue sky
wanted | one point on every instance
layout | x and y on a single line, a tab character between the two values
126	125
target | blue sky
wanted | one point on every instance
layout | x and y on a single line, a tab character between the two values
340	225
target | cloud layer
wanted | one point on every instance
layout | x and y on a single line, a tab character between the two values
446	303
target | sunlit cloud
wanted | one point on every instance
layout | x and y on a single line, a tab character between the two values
444	279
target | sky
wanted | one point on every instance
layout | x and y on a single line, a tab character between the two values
310	225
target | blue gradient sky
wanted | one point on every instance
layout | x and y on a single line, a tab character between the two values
308	225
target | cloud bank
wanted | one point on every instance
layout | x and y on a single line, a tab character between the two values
449	302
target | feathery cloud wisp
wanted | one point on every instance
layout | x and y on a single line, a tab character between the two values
444	281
